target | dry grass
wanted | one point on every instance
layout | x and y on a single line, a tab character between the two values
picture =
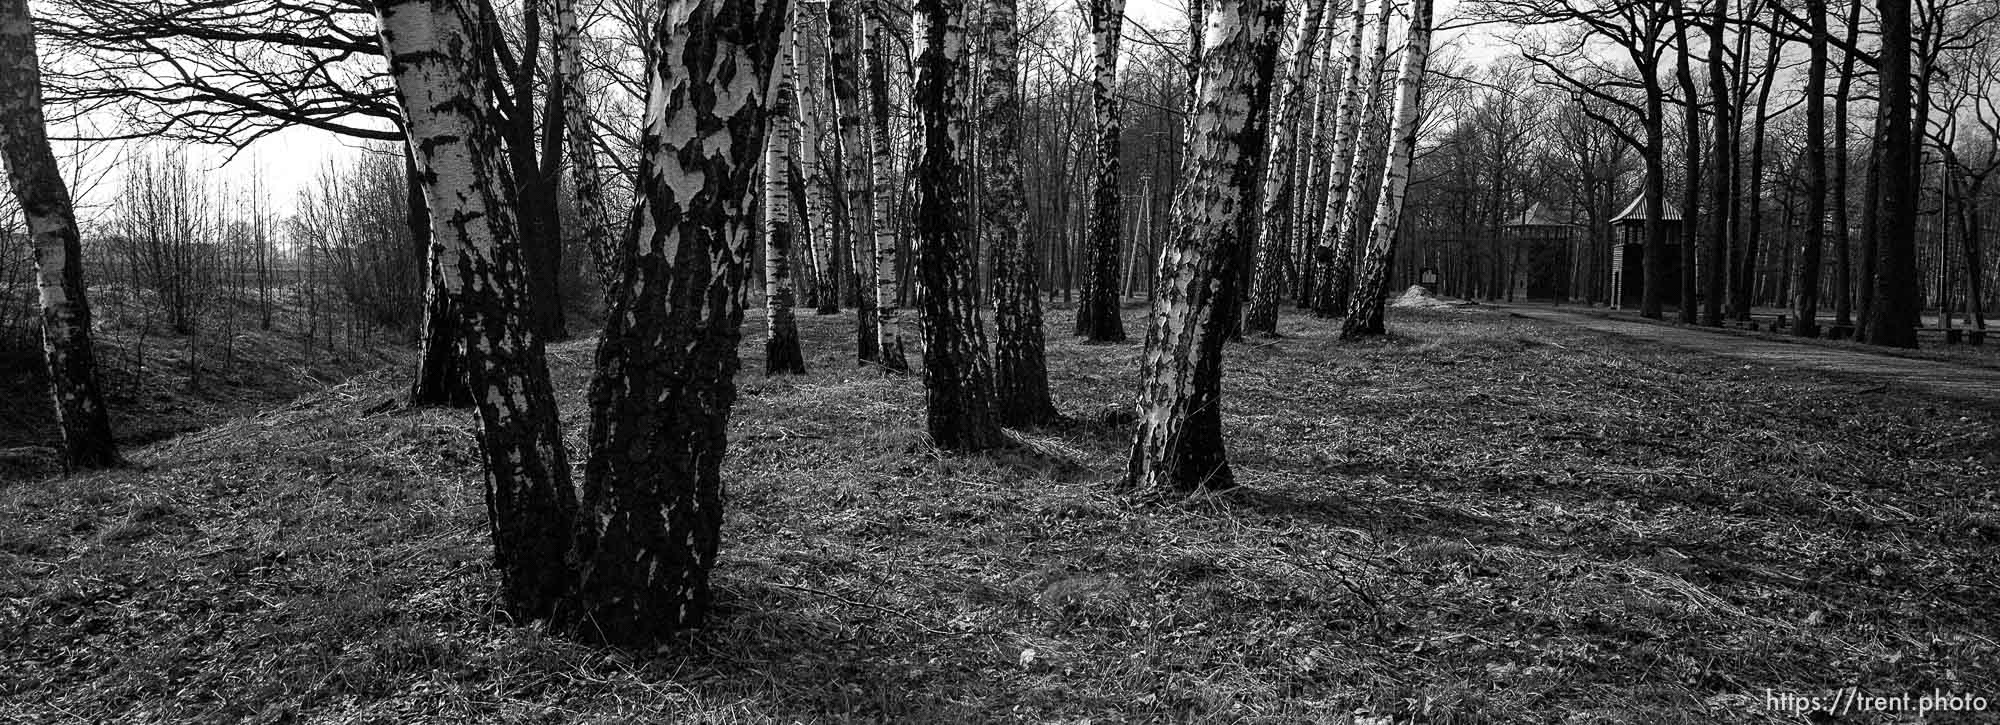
1481	520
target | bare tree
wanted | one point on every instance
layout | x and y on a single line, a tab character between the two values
479	259
651	503
1275	220
1021	373
781	341
1098	318
1364	312
1178	445
957	376
51	218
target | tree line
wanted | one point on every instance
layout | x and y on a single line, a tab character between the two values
877	157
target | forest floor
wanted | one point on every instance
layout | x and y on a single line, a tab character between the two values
1480	519
160	383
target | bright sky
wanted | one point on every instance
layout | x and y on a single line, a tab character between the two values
290	160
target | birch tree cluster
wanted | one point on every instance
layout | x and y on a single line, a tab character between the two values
950	176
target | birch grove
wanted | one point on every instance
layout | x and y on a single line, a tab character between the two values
1364	311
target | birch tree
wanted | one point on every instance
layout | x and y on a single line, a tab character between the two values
1097	318
1178	443
880	164
810	34
1364	313
1350	150
530	502
781	339
957	375
579	137
844	46
44	198
1275	223
651	511
1021	373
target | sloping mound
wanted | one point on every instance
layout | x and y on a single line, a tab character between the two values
1419	298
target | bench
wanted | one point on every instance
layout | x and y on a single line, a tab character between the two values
1954	335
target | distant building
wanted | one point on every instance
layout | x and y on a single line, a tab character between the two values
1544	251
1628	255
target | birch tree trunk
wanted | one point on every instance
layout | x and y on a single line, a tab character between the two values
1364	314
957	376
1350	148
1178	444
1021	373
1256	147
844	41
529	499
580	135
811	45
1275	223
651	513
881	165
781	338
37	183
1097	318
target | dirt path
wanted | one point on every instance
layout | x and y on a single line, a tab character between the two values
1951	380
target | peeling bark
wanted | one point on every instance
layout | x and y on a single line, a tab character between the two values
1021	373
957	377
1178	443
530	502
651	513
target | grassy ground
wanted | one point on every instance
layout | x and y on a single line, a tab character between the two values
1481	520
159	383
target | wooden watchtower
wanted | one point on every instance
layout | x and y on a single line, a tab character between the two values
1628	256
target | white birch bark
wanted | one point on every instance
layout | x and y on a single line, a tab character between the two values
1364	316
957	373
1356	103
881	166
579	140
1178	444
479	257
665	383
817	230
36	181
1274	227
781	340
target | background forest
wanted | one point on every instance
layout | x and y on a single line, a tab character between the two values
1082	382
